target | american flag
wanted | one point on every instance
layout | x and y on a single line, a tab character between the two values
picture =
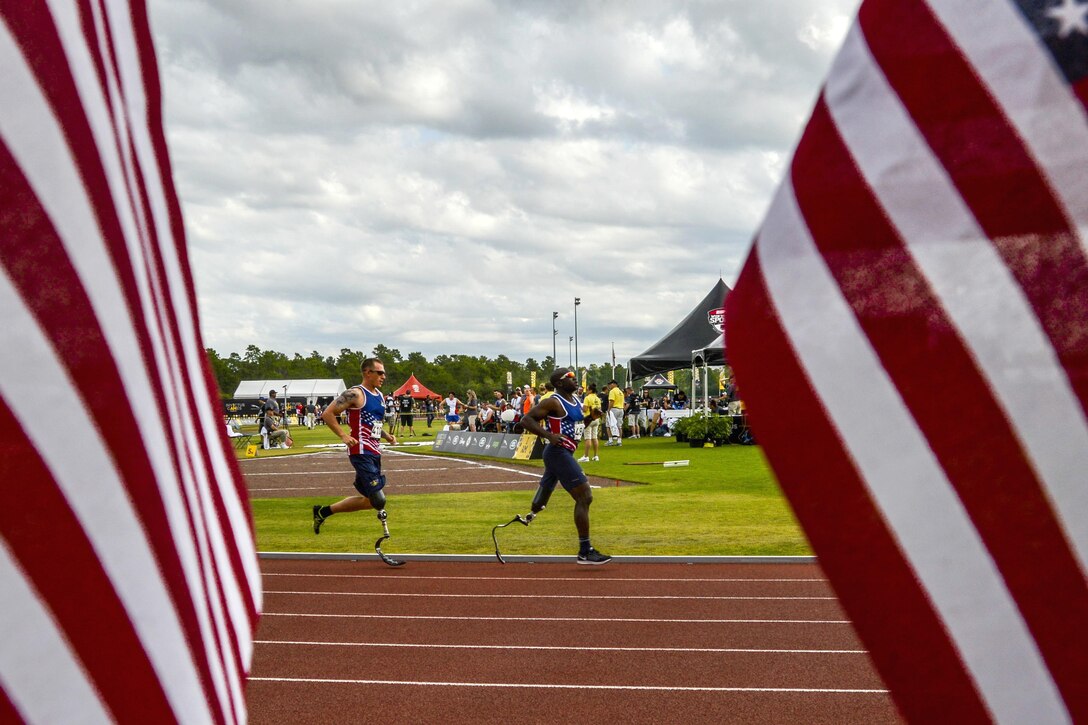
910	332
129	586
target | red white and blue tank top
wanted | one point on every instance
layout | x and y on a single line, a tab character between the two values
365	422
568	425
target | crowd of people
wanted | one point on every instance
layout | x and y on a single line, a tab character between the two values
275	422
624	413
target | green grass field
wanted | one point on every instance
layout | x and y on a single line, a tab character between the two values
725	502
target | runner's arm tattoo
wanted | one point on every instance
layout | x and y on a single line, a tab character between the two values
344	401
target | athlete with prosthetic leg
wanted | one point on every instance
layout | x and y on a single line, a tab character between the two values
365	406
555	419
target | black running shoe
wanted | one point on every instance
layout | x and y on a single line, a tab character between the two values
593	557
318	519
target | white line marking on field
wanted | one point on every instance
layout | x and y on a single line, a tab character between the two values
520	472
696	650
395	484
635	620
586	580
295	488
546	596
392	486
547	686
344	470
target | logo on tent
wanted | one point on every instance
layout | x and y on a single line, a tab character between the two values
658	379
716	318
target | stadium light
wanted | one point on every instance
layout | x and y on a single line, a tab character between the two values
577	301
555	316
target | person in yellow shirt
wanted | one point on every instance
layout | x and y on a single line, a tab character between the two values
590	435
615	414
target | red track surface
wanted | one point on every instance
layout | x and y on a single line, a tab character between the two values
622	643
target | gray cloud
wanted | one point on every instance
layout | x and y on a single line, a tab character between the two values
439	176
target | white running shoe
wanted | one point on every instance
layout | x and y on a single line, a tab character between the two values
583	459
596	458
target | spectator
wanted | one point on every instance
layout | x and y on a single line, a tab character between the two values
528	400
311	413
472	410
430	407
407	416
631	407
488	416
271	422
615	414
390	412
453	408
591	410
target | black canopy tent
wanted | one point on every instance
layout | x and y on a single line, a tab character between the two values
697	332
712	354
658	382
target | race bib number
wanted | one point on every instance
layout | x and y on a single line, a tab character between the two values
579	428
376	430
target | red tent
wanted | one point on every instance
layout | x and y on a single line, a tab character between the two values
415	388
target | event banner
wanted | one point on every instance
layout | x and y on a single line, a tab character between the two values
523	446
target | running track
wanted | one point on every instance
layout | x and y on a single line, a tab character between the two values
328	473
457	642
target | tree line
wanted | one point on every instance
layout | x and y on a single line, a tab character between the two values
442	374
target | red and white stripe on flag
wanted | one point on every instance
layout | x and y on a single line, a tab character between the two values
910	333
129	586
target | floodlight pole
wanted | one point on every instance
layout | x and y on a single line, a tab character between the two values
555	315
577	301
570	354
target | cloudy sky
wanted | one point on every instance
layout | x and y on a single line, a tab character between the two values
440	176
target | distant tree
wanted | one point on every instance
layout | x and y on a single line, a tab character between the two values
348	365
442	374
226	372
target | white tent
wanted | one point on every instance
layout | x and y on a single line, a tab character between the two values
309	389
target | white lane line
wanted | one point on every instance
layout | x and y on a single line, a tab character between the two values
545	596
392	486
696	650
542	579
345	470
396	484
298	488
518	471
635	620
548	686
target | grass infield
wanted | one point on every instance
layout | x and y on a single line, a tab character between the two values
724	502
